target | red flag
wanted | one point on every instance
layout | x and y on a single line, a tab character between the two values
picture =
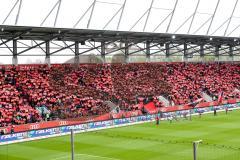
220	97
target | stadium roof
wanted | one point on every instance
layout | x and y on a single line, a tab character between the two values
147	27
68	34
198	17
182	43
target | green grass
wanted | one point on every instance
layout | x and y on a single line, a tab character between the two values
220	134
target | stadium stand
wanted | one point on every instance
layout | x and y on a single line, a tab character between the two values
33	93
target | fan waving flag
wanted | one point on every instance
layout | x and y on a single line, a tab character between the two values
220	97
195	103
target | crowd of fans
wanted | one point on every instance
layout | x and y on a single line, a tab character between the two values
191	79
72	91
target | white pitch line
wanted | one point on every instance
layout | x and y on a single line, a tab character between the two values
89	155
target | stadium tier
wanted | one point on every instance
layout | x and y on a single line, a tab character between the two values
33	93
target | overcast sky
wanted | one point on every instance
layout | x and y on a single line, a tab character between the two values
33	12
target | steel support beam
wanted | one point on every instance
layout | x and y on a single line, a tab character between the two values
95	48
230	50
90	18
125	47
209	48
167	48
182	50
10	12
148	47
57	3
69	47
79	20
142	49
231	17
47	58
23	44
39	44
202	25
220	26
14	58
56	18
14	37
56	44
226	51
14	48
126	52
120	18
185	50
193	17
76	49
193	47
105	26
233	30
238	49
19	9
103	51
62	49
217	50
35	46
175	46
93	45
148	53
183	24
201	50
7	47
47	49
162	22
148	15
213	16
138	20
169	24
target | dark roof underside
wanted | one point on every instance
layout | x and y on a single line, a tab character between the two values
67	34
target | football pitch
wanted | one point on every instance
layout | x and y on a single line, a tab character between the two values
168	141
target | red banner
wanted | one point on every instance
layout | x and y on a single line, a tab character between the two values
200	105
58	123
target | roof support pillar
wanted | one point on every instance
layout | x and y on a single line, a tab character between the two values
15	59
148	51
103	52
126	52
167	49
47	58
201	50
231	50
217	50
185	51
76	58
